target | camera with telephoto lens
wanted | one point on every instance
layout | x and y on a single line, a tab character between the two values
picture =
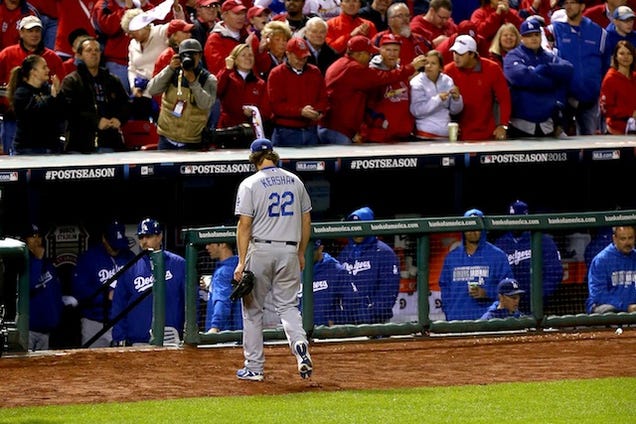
187	60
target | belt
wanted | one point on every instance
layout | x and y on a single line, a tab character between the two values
288	243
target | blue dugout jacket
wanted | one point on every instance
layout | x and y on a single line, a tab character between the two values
222	313
612	279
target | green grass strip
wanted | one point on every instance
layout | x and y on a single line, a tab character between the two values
609	400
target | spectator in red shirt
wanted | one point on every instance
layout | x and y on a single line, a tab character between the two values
387	117
602	13
618	102
47	12
348	24
72	14
226	34
436	25
178	30
348	82
491	15
271	51
207	15
11	11
74	38
298	97
30	30
482	84
411	44
464	28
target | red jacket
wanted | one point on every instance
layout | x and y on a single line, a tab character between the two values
616	105
46	7
218	47
234	92
9	34
488	22
339	30
289	92
598	14
412	46
429	31
479	88
348	84
72	15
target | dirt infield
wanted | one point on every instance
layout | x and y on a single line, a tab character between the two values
130	374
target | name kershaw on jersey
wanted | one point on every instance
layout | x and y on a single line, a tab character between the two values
276	180
142	283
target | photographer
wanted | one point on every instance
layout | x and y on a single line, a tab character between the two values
188	92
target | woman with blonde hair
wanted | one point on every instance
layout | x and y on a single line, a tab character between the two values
506	39
37	107
271	51
239	86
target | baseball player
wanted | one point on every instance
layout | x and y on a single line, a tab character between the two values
507	306
94	267
274	225
222	312
134	327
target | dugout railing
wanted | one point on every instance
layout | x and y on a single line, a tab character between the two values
422	229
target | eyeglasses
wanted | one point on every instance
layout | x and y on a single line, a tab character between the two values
211	5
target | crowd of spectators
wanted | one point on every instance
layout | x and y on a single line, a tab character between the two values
584	47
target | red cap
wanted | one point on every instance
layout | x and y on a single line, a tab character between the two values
298	47
257	11
360	43
179	25
467	28
389	39
233	6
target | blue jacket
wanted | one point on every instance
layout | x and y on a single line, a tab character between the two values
94	267
600	241
331	282
494	312
612	279
584	48
374	275
135	326
222	313
486	267
537	83
613	37
519	255
45	300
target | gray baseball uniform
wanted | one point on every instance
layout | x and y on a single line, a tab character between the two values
276	200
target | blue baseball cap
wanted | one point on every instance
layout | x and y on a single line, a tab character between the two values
29	231
116	236
148	227
519	208
623	13
509	287
261	145
529	27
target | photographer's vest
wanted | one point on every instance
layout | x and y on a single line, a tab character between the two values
187	127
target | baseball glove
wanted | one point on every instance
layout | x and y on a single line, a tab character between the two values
244	287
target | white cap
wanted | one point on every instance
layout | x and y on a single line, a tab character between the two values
140	21
29	22
464	44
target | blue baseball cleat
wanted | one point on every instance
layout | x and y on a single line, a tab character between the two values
305	366
246	374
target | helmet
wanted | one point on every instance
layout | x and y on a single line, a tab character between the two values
148	227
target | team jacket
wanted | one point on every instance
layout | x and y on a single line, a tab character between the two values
519	256
410	47
218	46
612	279
222	313
289	92
348	84
615	104
488	21
45	297
486	267
494	312
84	108
234	92
94	267
537	82
584	48
71	14
9	20
330	286
135	326
339	30
431	113
374	276
480	87
421	26
387	117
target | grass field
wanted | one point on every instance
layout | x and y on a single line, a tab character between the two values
609	400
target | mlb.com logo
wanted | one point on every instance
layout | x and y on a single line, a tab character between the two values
487	159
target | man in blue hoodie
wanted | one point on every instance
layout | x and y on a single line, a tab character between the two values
470	274
516	245
612	275
374	270
331	281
